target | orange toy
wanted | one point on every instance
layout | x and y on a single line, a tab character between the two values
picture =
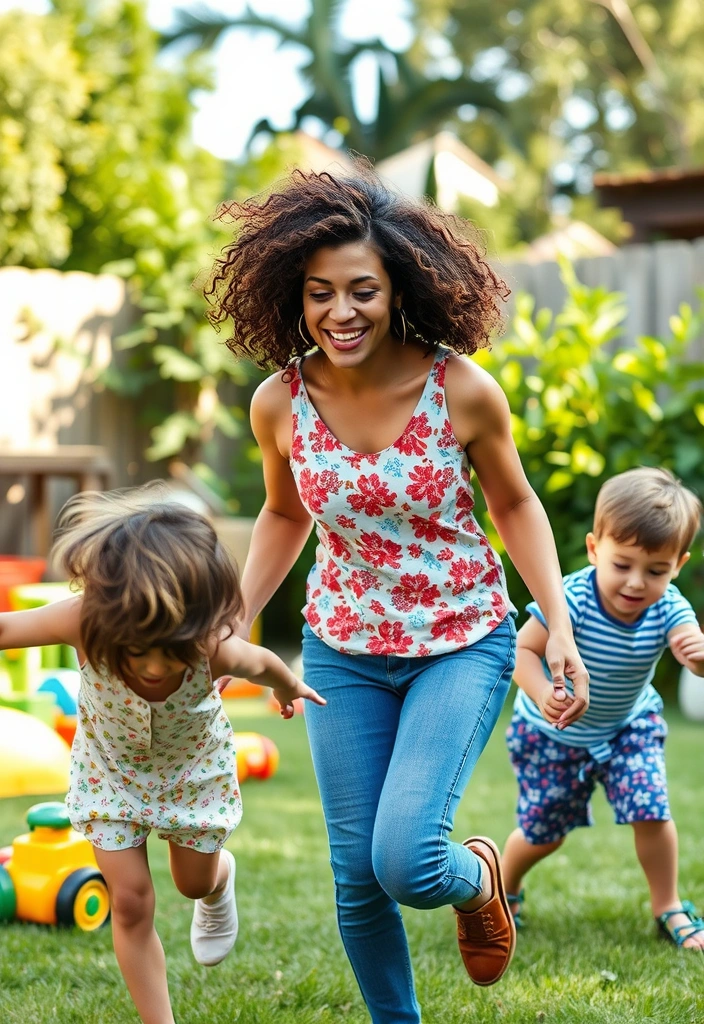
257	756
51	876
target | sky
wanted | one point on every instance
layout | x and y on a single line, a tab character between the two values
255	80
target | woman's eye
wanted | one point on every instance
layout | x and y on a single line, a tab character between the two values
364	296
319	296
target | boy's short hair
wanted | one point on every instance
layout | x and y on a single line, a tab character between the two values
647	506
153	574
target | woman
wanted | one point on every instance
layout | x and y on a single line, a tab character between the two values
370	433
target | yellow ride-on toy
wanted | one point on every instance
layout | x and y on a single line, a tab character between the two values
50	876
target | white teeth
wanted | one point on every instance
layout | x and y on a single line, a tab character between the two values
347	337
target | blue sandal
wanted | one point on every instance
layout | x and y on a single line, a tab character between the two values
682	932
516	900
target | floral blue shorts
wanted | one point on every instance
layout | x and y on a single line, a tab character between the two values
556	781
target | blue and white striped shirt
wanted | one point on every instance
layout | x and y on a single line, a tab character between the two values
620	657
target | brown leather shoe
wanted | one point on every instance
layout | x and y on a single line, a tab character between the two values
487	936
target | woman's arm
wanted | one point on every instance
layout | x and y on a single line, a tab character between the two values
234	656
57	623
555	708
283	525
482	423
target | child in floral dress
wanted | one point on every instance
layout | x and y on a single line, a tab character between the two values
625	612
154	749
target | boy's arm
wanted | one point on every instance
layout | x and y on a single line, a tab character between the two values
530	677
235	656
57	623
687	644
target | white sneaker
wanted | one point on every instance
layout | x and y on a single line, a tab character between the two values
214	925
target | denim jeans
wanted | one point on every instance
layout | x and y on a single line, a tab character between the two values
393	751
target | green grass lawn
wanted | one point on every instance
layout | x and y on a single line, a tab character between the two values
589	953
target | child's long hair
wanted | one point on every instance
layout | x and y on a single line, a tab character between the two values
153	574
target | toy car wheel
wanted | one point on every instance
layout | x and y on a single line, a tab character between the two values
8	899
83	900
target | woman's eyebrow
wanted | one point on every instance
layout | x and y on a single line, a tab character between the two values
355	280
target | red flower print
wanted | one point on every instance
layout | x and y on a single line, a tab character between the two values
297	441
423	651
429	483
361	580
295	385
464	502
312	616
315	487
410	442
439	373
346	522
415	550
321	440
414	590
374	496
355	460
391	640
499	605
446	555
328	578
437	398
463	573
452	625
377	607
448	439
431	529
344	623
338	546
378	552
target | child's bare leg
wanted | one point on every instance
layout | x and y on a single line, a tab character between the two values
520	856
656	849
209	879
198	876
137	947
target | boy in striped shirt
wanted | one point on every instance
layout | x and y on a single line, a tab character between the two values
624	611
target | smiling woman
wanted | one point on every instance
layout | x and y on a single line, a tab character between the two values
366	300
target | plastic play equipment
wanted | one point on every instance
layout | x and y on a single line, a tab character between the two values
257	756
50	875
33	757
15	570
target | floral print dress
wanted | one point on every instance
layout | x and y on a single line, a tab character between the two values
138	765
402	567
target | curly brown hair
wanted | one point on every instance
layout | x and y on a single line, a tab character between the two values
153	574
450	293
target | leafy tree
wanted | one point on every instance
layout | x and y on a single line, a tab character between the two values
99	173
412	105
587	83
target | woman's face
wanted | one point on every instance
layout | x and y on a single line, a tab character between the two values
347	302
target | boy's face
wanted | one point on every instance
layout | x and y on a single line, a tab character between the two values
629	578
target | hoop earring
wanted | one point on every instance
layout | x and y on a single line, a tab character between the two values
404	324
300	329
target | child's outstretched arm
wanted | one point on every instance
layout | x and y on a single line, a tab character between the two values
687	645
235	656
558	707
57	623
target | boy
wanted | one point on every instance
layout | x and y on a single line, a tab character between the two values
624	613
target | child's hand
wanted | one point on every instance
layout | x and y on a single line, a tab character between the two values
688	648
286	694
559	707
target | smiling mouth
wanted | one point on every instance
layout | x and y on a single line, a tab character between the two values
628	597
346	339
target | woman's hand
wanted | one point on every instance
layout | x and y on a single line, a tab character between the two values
564	661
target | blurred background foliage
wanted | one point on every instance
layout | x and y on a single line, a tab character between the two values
98	172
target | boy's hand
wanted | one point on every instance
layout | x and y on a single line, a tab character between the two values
559	707
688	648
286	694
563	660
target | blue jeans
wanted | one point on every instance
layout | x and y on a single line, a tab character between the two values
393	751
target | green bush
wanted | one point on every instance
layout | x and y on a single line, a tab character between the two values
584	408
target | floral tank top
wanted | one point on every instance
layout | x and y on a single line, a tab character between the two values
402	566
